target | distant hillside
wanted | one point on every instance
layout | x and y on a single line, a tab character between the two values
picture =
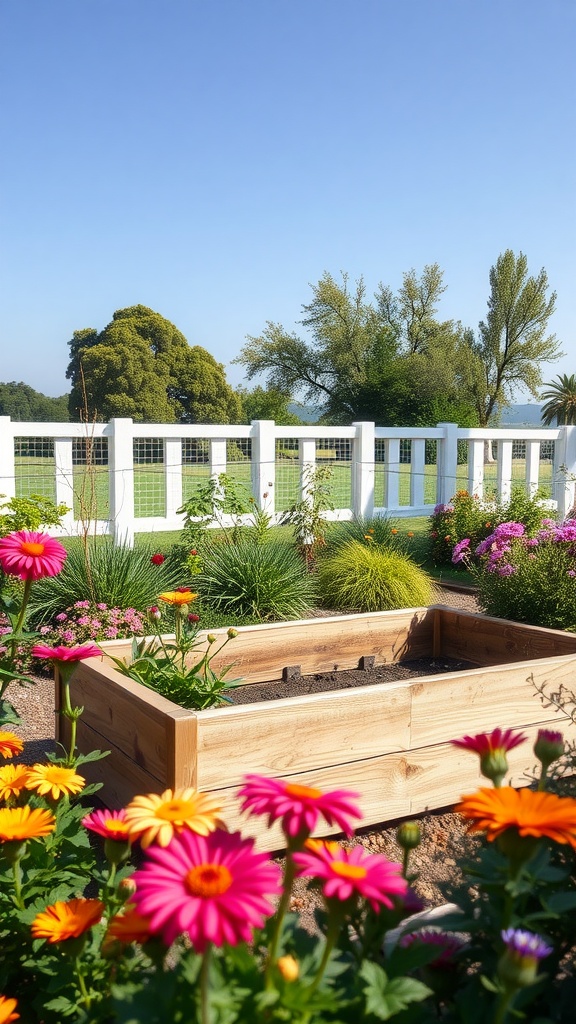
521	416
513	416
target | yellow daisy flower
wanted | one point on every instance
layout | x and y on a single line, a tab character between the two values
177	597
154	818
10	744
24	823
53	780
67	920
13	778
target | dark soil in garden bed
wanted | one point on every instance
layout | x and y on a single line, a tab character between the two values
296	686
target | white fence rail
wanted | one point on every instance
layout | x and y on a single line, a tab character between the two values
122	478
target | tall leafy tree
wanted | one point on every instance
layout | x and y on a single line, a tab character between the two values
267	404
560	401
141	366
512	342
368	360
23	403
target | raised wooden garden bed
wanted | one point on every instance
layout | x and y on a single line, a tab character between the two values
389	741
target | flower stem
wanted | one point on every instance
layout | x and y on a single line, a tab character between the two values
17	876
86	999
332	934
205	985
287	882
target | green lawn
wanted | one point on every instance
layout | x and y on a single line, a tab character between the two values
37	475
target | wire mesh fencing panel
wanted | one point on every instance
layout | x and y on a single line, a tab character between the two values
195	465
91	480
35	467
287	473
238	461
336	454
149	477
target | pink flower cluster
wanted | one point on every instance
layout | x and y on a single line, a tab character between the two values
85	621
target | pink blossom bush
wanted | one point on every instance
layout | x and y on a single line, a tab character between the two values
85	621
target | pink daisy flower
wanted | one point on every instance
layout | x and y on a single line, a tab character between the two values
352	872
498	740
31	555
109	824
298	807
215	888
66	653
445	944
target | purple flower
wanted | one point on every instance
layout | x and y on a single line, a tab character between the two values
525	944
438	509
505	570
571	572
61	617
506	530
460	549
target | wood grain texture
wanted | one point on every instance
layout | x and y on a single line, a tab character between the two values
489	641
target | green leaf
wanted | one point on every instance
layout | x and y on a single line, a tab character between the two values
385	997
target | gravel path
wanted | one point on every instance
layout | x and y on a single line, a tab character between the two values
444	836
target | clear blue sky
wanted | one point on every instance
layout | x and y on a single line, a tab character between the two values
211	158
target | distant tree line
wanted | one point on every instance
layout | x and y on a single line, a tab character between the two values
389	359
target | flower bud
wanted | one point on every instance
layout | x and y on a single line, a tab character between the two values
193	617
193	552
158	559
211	638
232	633
518	965
289	967
154	613
126	888
409	835
549	746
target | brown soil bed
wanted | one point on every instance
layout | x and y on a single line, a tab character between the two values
295	685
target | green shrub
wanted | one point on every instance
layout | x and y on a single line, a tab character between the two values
36	512
247	578
370	578
101	573
373	529
531	580
467	516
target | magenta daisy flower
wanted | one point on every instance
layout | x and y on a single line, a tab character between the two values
488	742
352	872
214	888
66	653
445	945
109	824
31	555
492	748
298	807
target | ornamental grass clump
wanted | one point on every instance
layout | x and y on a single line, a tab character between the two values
528	579
268	581
366	577
104	573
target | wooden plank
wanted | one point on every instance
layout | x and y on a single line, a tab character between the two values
393	786
259	653
122	777
479	700
489	641
316	730
182	753
126	715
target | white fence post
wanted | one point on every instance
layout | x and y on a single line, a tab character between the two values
564	470
363	458
504	470
65	479
121	476
263	468
173	474
447	463
476	451
417	471
391	473
532	467
7	462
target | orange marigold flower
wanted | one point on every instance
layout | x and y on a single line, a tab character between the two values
532	814
393	531
53	780
10	744
130	926
155	818
177	597
13	778
67	920
7	1007
24	823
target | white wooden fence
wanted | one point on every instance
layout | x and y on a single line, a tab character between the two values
127	477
